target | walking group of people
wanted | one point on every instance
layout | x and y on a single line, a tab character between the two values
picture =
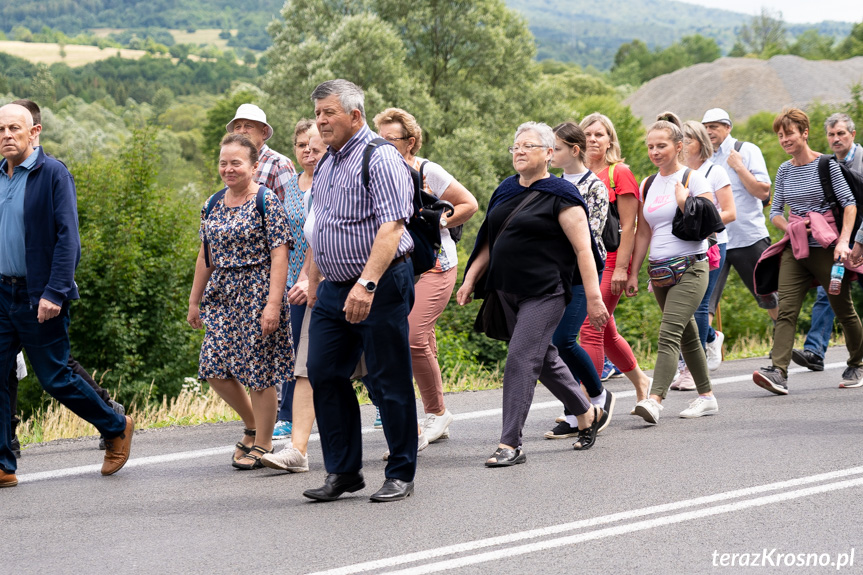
305	280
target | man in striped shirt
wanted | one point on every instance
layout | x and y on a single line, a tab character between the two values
360	292
274	169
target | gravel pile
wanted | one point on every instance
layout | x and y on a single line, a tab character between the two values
745	86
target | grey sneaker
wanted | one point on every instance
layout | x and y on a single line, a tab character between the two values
772	380
852	377
289	459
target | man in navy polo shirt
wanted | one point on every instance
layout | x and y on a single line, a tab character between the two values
39	251
361	292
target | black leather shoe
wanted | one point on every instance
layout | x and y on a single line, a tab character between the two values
335	485
808	359
393	490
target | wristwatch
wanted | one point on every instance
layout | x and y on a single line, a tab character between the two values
369	285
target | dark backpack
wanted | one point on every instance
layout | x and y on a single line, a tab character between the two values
854	181
214	199
424	223
455	232
611	231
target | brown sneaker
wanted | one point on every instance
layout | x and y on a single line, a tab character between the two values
117	449
7	479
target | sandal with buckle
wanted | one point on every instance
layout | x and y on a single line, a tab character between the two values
587	436
506	457
255	455
244	448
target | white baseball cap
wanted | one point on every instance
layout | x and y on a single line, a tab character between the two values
251	112
716	115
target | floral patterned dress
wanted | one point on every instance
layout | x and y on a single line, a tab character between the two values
295	210
237	292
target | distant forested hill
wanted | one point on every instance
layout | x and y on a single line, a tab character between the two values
580	31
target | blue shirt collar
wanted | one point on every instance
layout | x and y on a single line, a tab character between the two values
27	164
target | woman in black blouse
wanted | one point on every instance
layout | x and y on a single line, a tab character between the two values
529	263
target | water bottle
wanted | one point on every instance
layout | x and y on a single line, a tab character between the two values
836	275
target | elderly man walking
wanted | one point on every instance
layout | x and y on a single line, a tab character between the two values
274	169
361	292
39	251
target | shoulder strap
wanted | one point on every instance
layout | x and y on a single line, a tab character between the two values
367	157
611	177
826	181
259	204
584	178
737	145
686	175
647	185
211	203
517	209
708	171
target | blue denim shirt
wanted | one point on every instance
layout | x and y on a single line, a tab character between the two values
12	251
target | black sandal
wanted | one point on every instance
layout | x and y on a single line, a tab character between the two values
506	457
244	448
254	454
587	436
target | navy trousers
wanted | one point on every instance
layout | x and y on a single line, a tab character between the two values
47	348
335	347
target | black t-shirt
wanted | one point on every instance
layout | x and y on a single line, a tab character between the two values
533	255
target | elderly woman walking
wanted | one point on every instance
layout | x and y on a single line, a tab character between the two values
534	244
239	295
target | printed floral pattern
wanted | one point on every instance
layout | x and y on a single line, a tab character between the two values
296	219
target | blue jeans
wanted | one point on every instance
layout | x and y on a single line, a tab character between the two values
286	409
47	347
335	347
702	318
565	339
821	329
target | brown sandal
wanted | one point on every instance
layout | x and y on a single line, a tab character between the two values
244	448
254	454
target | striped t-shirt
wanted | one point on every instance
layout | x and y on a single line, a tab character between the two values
347	216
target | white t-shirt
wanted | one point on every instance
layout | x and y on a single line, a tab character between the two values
660	206
718	179
749	226
437	180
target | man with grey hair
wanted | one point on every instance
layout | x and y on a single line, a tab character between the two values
39	251
360	294
840	136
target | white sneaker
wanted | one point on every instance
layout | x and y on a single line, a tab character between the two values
434	426
289	459
714	352
422	443
648	409
701	406
685	382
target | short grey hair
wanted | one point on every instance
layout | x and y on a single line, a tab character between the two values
839	117
350	95
544	131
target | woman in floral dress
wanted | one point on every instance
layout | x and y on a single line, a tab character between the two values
239	295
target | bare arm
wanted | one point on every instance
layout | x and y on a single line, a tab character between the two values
727	209
642	243
841	251
202	276
627	208
359	301
278	279
463	203
574	224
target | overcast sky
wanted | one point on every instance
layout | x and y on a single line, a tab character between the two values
797	11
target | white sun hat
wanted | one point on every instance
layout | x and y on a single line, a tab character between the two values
716	115
251	112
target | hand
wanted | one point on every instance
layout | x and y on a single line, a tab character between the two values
312	295
680	193
841	251
597	313
464	294
856	256
47	310
194	317
358	304
270	318
735	161
618	280
299	293
632	285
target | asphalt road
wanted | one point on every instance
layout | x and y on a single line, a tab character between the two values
775	480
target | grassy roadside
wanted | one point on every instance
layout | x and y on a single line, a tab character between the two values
197	403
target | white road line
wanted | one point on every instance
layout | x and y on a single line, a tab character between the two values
196	454
629	528
448	550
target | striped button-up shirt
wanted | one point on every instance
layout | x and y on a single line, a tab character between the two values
347	216
274	171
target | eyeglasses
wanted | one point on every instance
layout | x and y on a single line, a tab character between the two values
527	148
391	139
